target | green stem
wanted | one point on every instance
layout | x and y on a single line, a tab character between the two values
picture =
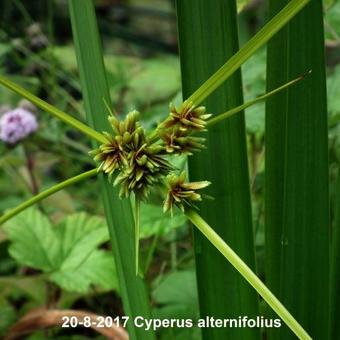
237	109
53	110
247	273
37	198
258	40
137	226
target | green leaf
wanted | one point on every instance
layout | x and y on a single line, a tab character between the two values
332	18
96	269
8	316
148	85
79	236
298	244
208	36
335	267
333	92
67	253
175	296
34	241
118	212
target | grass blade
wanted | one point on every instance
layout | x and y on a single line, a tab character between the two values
206	26
304	239
118	212
276	111
335	268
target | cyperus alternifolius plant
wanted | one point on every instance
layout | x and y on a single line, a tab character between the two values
140	161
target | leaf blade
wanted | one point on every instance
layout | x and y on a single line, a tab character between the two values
206	26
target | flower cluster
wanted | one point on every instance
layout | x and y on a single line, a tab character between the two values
176	131
141	160
16	125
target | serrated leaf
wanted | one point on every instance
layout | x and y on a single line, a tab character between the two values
97	268
34	241
176	296
79	236
68	253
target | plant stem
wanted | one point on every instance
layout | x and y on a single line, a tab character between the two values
137	226
37	198
229	113
247	273
53	110
258	40
30	170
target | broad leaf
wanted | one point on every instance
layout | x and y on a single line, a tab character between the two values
176	296
68	253
97	269
34	240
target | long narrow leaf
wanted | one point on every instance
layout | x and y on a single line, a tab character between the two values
208	36
276	110
118	212
304	240
335	268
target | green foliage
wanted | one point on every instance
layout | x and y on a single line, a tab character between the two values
147	86
153	221
333	92
68	253
8	316
332	18
175	297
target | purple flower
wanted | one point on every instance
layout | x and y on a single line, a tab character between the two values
17	124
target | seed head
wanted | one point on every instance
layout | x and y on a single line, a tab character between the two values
181	193
146	167
141	162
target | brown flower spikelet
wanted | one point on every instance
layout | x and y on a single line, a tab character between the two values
186	117
178	142
180	193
